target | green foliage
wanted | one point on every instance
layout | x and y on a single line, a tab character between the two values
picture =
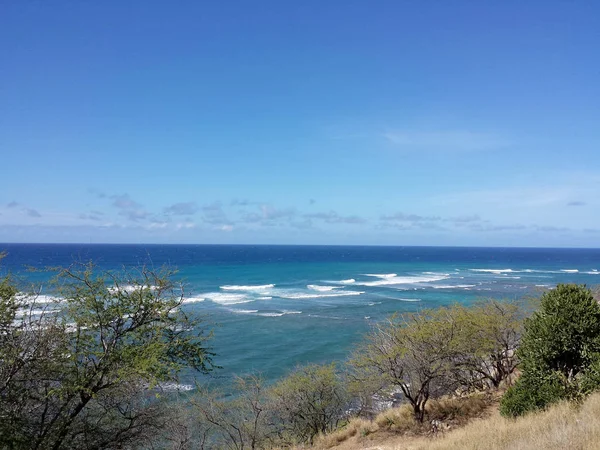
309	401
559	351
434	352
589	381
485	344
564	335
245	421
78	375
531	393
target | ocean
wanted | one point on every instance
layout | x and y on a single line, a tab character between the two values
275	307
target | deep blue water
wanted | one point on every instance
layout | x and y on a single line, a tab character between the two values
279	306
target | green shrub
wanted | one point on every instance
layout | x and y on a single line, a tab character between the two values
559	351
532	393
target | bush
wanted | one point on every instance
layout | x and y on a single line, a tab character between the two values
78	374
310	401
457	410
531	393
559	351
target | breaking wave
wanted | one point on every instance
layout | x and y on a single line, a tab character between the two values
261	287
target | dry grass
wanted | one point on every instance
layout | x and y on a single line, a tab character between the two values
355	427
449	412
563	426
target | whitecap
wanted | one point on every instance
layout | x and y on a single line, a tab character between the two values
569	270
592	272
261	287
129	288
496	271
454	286
38	298
408	299
193	300
381	275
373	303
26	312
348	281
403	280
172	387
227	299
265	298
302	296
270	314
316	287
243	311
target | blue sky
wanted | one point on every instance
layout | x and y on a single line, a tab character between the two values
338	122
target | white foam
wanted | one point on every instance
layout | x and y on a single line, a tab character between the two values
569	270
129	288
26	312
303	296
226	299
508	278
38	298
243	311
496	271
263	314
193	300
348	281
265	298
171	387
316	287
261	287
408	299
454	286
381	275
403	280
592	272
373	303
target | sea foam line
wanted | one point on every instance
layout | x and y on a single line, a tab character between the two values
381	275
403	280
193	300
226	299
302	296
455	286
261	287
316	287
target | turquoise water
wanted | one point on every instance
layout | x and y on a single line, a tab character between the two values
279	306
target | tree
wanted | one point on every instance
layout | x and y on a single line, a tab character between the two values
487	339
413	352
561	343
80	374
309	401
239	423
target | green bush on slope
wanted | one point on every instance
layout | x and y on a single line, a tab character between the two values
559	351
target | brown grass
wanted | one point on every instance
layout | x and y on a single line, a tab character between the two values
563	426
447	412
355	427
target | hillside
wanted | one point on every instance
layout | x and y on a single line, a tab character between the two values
562	426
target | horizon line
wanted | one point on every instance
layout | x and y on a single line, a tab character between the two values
302	245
